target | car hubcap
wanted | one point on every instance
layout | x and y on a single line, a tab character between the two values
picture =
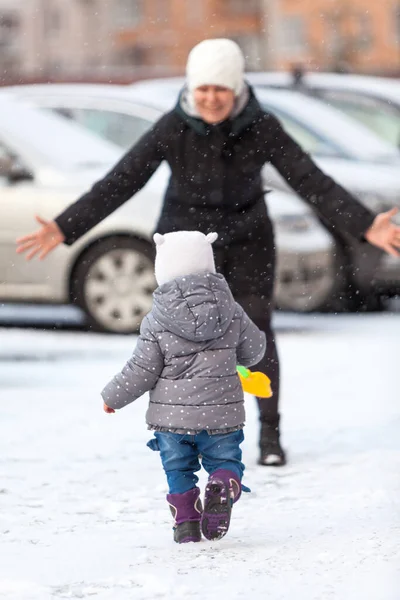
118	289
304	283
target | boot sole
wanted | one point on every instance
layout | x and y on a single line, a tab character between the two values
272	460
217	510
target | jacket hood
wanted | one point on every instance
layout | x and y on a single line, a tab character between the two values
196	307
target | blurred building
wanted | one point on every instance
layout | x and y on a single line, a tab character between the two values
101	39
166	30
355	35
129	39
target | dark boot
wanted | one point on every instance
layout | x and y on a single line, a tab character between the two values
186	510
271	452
222	490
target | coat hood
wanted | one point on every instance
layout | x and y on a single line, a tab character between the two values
196	307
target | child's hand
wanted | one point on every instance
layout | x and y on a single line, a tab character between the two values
107	409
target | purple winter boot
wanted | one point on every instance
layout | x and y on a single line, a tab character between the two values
222	490
186	510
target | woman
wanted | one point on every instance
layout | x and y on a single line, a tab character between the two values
216	141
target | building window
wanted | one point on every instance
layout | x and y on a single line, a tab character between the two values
136	56
252	48
241	7
161	11
10	43
194	12
9	22
396	23
293	34
128	13
9	25
365	36
52	22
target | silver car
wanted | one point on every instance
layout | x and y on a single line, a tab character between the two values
346	150
373	101
109	271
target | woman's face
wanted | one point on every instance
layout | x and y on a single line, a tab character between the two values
214	103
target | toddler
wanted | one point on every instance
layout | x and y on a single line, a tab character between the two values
186	356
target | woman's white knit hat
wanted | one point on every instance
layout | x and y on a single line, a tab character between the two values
183	253
216	62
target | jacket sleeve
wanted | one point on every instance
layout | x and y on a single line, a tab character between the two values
331	202
139	375
252	341
126	178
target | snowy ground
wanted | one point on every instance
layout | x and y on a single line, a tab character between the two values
82	509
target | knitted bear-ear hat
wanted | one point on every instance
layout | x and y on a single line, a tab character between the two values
216	62
183	253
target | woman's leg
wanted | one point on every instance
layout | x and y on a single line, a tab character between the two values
250	270
271	451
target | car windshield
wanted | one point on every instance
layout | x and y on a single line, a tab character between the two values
381	119
66	145
310	141
350	139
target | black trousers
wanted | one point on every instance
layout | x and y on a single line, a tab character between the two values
249	268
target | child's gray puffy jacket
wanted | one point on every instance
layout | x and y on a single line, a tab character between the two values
186	355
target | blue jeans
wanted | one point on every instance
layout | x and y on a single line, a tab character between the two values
180	456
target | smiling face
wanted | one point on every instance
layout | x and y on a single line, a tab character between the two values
214	103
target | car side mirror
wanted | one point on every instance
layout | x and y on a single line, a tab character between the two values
5	165
14	171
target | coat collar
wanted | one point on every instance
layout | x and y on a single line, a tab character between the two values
250	113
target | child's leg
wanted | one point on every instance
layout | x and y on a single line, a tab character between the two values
222	452
221	457
179	456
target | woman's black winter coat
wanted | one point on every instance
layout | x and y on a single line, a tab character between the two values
215	183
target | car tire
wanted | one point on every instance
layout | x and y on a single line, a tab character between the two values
345	295
324	283
306	283
113	282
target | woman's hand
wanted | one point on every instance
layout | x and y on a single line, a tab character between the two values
44	240
384	234
107	409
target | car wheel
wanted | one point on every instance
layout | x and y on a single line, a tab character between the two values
305	282
346	294
113	282
320	282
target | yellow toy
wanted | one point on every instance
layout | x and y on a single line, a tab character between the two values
255	383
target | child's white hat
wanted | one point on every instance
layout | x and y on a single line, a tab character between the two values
183	253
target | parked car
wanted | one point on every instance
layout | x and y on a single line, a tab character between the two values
346	150
46	162
356	157
373	101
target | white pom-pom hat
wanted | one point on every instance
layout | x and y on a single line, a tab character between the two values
216	62
183	253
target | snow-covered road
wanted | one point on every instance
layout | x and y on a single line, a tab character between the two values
82	499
